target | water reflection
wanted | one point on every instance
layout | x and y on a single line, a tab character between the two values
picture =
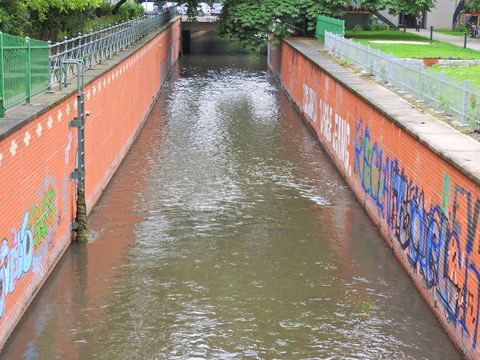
227	233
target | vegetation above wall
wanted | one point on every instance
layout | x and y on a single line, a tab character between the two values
251	21
53	19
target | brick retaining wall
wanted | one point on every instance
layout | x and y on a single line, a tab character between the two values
37	155
421	187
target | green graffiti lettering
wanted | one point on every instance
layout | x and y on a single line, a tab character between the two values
445	193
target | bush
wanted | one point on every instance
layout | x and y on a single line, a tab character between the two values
105	9
378	26
357	28
130	10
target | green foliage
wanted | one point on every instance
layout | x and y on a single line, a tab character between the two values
376	25
472	5
251	21
54	19
357	28
130	11
104	10
14	17
42	8
408	7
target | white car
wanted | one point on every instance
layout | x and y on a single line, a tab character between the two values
202	9
149	7
217	8
182	9
168	5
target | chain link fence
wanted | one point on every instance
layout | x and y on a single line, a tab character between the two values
457	98
24	70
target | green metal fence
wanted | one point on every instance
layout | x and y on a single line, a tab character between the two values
325	23
24	70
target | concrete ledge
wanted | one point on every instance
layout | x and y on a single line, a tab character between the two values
460	150
21	115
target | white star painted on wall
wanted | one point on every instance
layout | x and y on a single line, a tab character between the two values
88	94
13	148
27	138
104	83
39	129
94	90
1	158
67	109
75	105
59	115
50	122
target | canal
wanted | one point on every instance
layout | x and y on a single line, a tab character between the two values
228	234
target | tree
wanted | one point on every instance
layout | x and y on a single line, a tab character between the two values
43	18
251	21
43	7
407	7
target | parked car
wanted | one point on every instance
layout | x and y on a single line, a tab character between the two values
168	5
182	9
202	9
149	7
217	8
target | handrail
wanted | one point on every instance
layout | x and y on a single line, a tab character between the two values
95	47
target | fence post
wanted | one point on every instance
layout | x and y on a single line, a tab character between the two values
28	71
2	79
421	78
466	86
366	59
50	79
442	83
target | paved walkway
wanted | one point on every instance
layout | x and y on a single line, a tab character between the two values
458	149
473	44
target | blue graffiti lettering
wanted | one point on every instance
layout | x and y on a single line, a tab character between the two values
15	260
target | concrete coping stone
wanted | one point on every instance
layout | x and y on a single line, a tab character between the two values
459	150
21	115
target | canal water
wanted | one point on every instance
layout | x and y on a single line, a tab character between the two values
228	234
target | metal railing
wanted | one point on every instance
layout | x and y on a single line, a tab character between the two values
28	67
94	48
24	70
457	98
332	25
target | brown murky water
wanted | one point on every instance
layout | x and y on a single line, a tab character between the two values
228	234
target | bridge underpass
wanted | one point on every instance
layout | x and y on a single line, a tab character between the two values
192	30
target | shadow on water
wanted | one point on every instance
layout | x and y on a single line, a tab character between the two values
228	234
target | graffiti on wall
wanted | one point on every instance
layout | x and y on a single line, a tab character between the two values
17	252
334	128
438	238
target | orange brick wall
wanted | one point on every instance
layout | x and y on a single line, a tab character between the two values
426	209
37	198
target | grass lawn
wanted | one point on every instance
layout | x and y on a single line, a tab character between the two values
450	32
435	50
470	73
